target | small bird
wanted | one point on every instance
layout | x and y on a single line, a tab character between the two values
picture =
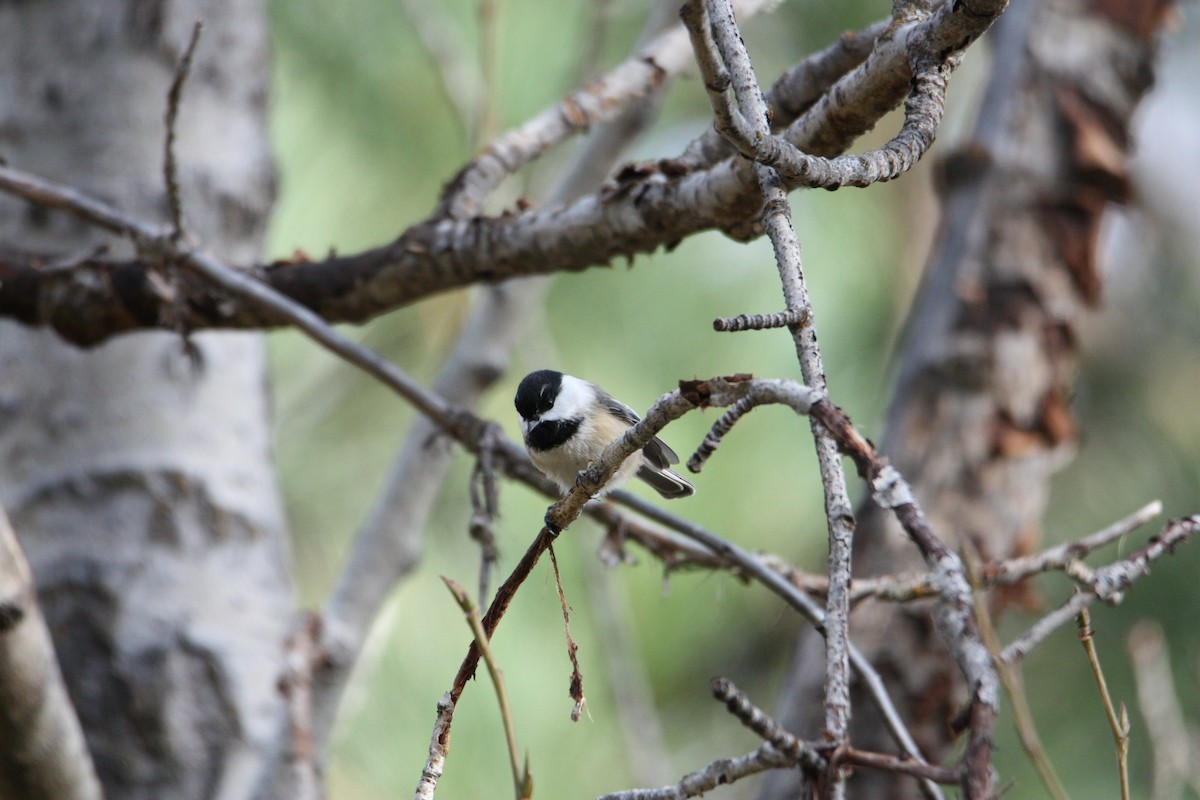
568	422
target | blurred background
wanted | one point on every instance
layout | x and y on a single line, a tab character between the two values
365	137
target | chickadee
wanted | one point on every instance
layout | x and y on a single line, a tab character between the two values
568	422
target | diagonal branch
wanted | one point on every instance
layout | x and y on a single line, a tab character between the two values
643	210
1111	582
42	749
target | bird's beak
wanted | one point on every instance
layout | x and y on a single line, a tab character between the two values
528	424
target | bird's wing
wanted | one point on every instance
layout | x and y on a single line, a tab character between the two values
656	450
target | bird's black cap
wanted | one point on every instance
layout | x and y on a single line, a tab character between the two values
537	392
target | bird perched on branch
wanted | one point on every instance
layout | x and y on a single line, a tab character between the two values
567	424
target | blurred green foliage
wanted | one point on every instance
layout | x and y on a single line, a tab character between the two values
365	138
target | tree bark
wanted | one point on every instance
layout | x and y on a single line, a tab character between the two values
139	475
979	420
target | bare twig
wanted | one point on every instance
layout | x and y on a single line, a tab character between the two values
717	41
781	749
1010	680
576	685
768	729
42	749
522	779
1110	581
170	166
485	507
872	682
439	745
890	588
758	322
1065	555
636	77
720	49
721	772
885	762
794	92
1118	722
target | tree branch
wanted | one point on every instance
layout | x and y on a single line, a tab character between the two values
42	749
642	210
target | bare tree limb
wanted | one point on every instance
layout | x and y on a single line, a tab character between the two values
671	406
718	45
767	729
719	773
1110	584
641	211
42	749
602	100
1118	721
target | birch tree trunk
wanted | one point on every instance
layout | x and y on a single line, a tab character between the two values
139	478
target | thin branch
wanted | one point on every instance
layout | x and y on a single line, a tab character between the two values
873	684
716	40
1118	723
42	748
1111	581
576	685
439	745
170	167
766	728
758	322
1063	556
603	99
721	772
885	762
522	780
1010	680
485	506
891	588
643	210
954	616
780	750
